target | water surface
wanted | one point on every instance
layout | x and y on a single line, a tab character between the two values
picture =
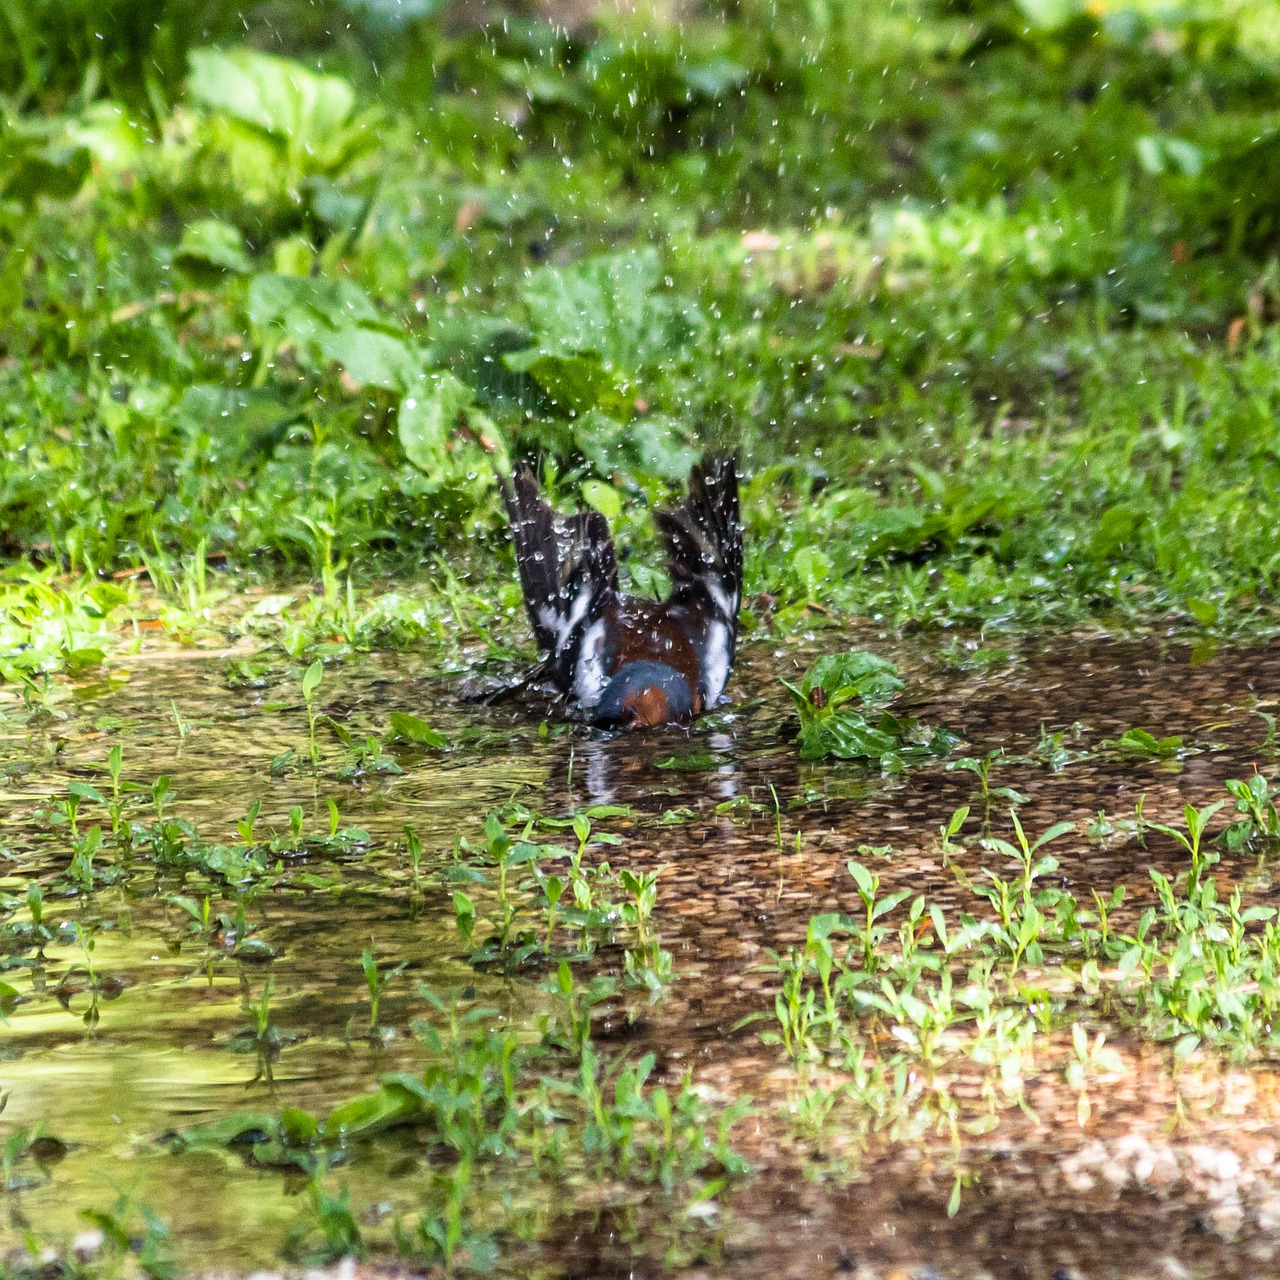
1170	1171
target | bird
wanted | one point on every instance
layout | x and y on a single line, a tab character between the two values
620	662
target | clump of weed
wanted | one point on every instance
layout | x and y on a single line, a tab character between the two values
837	703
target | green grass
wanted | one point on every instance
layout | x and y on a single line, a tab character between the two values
985	293
998	338
886	1007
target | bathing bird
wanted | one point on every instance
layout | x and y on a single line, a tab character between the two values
622	662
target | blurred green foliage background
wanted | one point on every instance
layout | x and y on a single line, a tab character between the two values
985	290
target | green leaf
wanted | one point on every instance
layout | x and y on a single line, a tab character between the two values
830	726
601	304
300	1127
811	566
309	115
275	94
307	303
339	731
311	678
1138	742
715	78
427	420
371	357
392	1104
1058	829
576	384
411	729
234	425
1205	612
217	243
867	675
1162	153
1117	528
333	321
1049	15
36	168
886	904
862	878
83	659
847	736
12	269
597	811
603	497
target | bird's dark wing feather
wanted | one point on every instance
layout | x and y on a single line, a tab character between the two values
704	543
568	571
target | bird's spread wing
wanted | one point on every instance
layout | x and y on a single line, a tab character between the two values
704	553
568	571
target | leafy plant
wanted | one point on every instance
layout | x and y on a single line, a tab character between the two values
832	725
307	122
1145	746
310	683
377	982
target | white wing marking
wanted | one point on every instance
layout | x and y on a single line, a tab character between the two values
588	676
725	604
715	666
561	625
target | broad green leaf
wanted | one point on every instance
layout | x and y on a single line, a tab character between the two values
300	1127
310	115
862	878
240	423
576	384
1049	15
822	926
390	1105
868	676
311	678
715	78
604	498
309	311
83	659
608	305
33	167
412	729
215	242
1116	529
427	420
371	357
846	735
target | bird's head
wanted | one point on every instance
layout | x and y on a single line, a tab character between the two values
642	694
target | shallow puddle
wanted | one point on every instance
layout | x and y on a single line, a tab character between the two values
114	1048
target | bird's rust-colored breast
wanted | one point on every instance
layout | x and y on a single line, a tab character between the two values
648	707
640	631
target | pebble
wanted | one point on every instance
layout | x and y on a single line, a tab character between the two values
1217	1162
87	1245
